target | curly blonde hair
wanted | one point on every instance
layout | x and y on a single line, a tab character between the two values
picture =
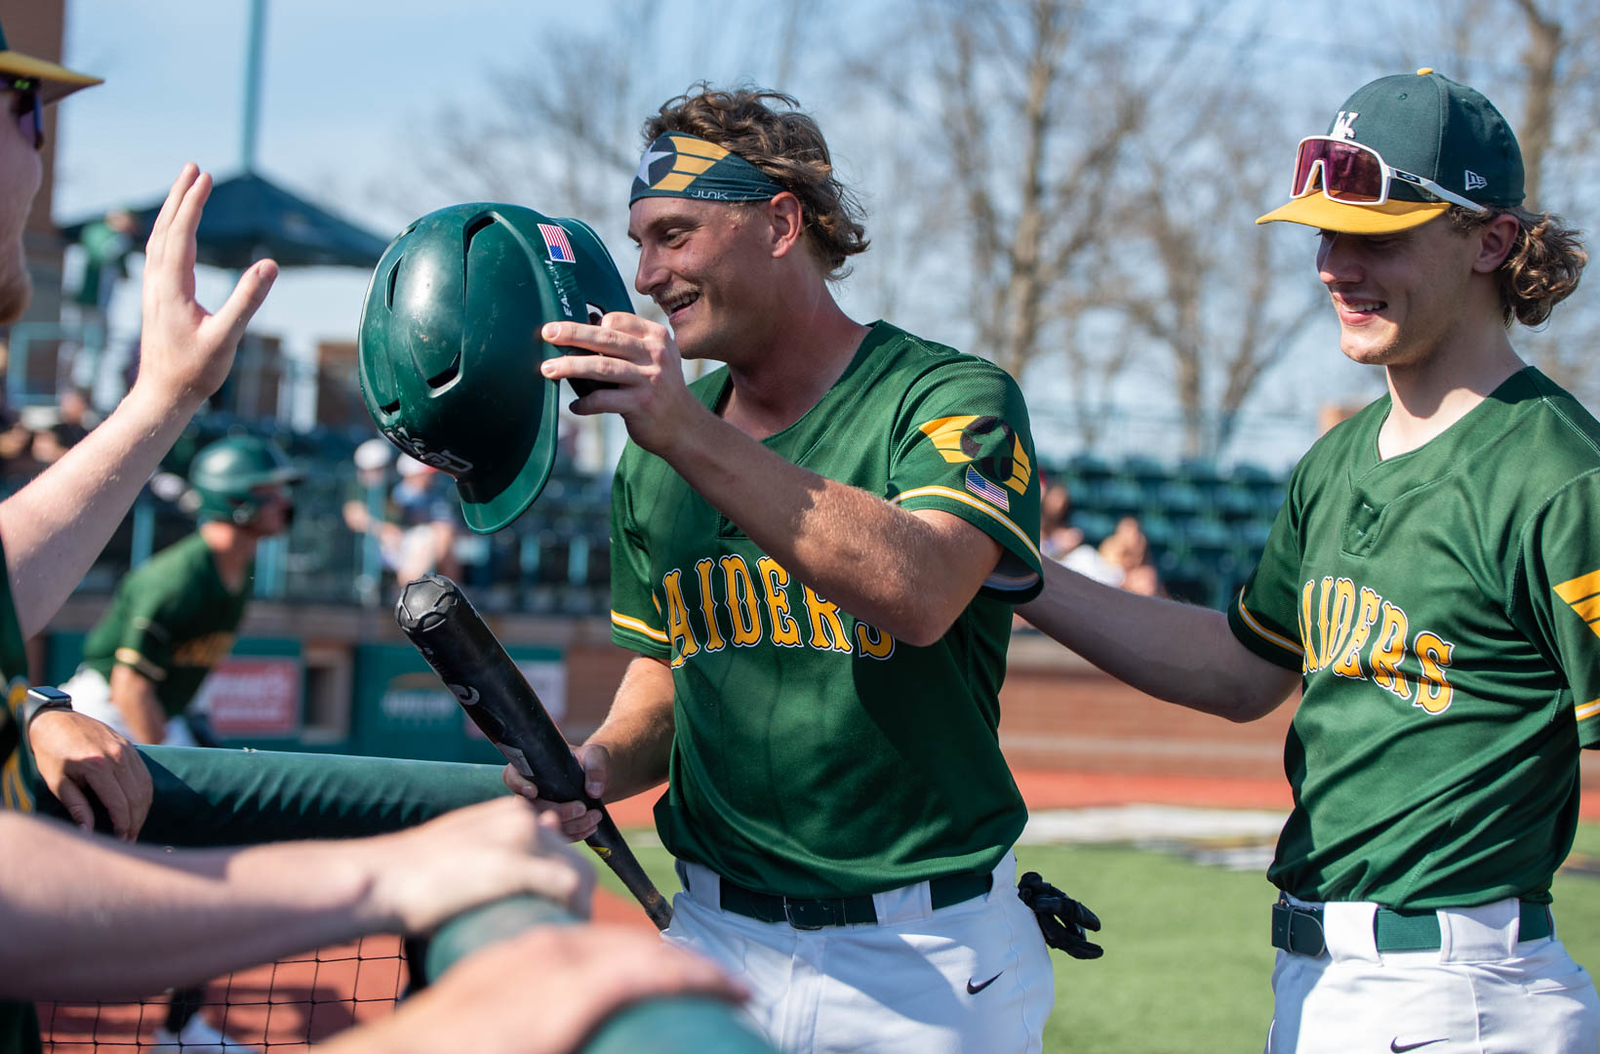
767	129
1543	267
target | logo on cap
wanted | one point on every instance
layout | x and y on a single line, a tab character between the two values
1344	125
1475	181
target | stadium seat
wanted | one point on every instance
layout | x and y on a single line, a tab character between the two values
1252	534
1120	497
1144	469
1208	536
1180	497
1094	524
1202	472
1234	500
1163	533
1086	467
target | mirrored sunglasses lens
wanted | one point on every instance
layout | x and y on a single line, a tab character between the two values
1350	173
1353	174
1306	168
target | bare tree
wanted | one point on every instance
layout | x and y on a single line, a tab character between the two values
1043	124
1029	103
1194	277
564	136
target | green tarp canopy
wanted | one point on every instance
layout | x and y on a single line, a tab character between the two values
249	218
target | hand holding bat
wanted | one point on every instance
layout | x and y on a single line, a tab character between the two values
436	616
578	821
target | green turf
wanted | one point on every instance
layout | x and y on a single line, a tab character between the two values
1187	964
1588	841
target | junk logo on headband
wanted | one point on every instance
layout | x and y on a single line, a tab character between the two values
678	165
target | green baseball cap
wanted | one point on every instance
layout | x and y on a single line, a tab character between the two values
55	81
1426	125
449	347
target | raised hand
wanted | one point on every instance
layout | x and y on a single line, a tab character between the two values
185	352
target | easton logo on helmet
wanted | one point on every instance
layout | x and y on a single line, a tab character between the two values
440	459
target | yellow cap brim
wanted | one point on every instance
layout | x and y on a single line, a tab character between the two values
1316	210
55	82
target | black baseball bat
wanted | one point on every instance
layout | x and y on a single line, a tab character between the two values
437	618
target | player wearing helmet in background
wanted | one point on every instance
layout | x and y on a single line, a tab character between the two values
174	617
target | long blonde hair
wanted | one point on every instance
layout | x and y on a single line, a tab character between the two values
1543	267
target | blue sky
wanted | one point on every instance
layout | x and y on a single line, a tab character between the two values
352	88
343	81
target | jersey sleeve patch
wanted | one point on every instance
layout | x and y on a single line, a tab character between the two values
994	454
1261	639
1582	594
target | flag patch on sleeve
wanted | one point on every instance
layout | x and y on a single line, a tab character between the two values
989	492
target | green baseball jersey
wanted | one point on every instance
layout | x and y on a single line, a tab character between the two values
814	754
14	767
172	619
1443	607
19	1025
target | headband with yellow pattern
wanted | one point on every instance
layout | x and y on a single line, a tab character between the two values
679	165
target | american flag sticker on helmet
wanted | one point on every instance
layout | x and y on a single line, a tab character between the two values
989	492
555	240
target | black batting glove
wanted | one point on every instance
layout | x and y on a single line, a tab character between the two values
1061	919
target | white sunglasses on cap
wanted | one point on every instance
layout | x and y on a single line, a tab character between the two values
1355	174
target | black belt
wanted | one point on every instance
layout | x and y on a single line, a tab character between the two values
805	914
1299	930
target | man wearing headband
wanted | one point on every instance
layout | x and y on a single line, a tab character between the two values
816	549
1432	586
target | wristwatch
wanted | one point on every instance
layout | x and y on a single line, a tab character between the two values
42	698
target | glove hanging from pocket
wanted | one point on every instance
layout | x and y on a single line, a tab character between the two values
1061	919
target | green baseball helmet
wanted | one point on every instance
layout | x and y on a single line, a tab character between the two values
449	346
224	476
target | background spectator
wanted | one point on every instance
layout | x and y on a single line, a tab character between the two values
1065	544
1128	550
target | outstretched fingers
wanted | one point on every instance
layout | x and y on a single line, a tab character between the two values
156	245
180	251
246	298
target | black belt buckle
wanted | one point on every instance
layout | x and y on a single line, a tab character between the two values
1298	930
813	914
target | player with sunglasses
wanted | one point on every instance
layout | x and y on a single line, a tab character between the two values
1432	588
26	106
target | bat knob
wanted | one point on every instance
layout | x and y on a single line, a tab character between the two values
426	602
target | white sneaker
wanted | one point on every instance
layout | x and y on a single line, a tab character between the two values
198	1036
